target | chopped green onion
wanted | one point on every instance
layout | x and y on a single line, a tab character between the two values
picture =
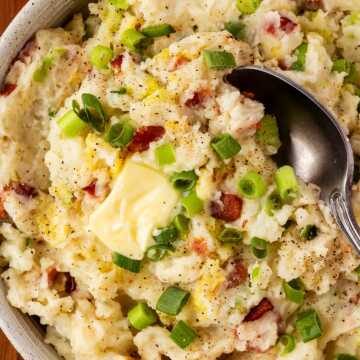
29	242
272	203
192	204
287	344
247	7
308	325
341	65
225	146
120	134
181	222
158	252
165	154
255	273
231	236
345	357
252	185
42	71
100	56
158	30
236	29
184	180
300	53
219	60
126	263
268	133
294	291
120	4
134	40
71	125
121	91
259	247
309	232
357	270
141	316
166	235
182	334
172	300
286	183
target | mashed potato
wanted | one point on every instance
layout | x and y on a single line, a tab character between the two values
141	213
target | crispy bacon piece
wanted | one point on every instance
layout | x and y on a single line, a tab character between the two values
52	275
21	189
91	188
144	136
271	29
27	51
228	209
287	25
249	94
117	63
8	89
177	62
259	310
199	246
198	98
237	273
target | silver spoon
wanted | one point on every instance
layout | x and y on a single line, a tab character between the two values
312	141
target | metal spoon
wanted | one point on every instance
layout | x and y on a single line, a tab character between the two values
312	141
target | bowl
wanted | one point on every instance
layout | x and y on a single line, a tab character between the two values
24	333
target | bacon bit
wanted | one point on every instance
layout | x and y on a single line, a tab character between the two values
197	99
27	51
117	63
21	189
237	275
228	210
259	310
287	25
249	94
91	188
52	275
199	246
70	283
271	29
144	136
3	214
282	65
177	62
8	89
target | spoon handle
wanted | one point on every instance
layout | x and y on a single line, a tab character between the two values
341	209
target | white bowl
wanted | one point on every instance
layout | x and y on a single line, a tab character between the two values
24	333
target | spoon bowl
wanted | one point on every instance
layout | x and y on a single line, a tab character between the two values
313	142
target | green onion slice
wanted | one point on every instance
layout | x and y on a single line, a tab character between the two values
181	222
100	56
134	40
182	334
286	183
294	291
309	232
192	204
126	263
42	71
341	65
236	29
259	247
172	300
121	91
225	146
353	77
71	125
272	203
141	316
219	60
165	154
120	4
167	235
357	270
120	134
158	252
300	53
308	325
231	236
287	344
184	180
268	133
345	357
158	30
252	185
247	7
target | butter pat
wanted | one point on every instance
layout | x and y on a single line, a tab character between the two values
142	199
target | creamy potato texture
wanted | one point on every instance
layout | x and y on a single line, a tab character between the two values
128	167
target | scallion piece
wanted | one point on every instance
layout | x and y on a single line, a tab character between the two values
247	7
158	30
225	146
309	232
287	344
219	60
192	204
141	316
120	134
231	236
121	91
353	76
300	54
166	235
272	203
259	247
341	65
165	154
158	252
357	270
252	185
236	29
286	183
308	325
182	334
172	300
42	71
345	357
294	291
126	263
100	56
71	125
184	180
133	39
181	222
120	4
268	133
